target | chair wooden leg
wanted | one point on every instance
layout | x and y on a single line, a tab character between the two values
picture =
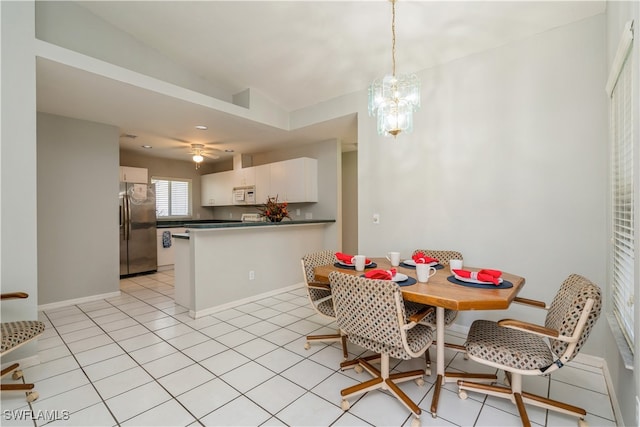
348	364
521	397
553	405
362	387
402	397
16	387
436	396
27	388
522	410
9	369
326	338
345	354
382	379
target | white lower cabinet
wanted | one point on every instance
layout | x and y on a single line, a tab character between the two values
166	256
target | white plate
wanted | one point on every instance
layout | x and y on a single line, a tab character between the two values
413	263
480	282
399	277
353	265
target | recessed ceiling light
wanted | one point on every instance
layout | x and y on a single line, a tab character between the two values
228	150
147	146
202	127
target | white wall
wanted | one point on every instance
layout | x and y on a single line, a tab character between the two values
350	202
78	249
507	164
625	381
18	226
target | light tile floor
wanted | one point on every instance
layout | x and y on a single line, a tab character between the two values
140	360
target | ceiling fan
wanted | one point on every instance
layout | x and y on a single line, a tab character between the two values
199	152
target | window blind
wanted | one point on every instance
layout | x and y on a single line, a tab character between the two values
622	190
173	197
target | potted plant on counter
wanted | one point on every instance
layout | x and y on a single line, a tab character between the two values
274	211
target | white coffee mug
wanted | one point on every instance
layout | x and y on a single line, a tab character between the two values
424	271
358	261
394	258
455	264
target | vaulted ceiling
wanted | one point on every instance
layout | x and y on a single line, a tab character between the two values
295	53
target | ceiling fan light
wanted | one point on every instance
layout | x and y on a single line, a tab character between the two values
197	158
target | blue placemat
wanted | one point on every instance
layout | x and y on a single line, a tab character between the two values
504	285
353	267
437	266
410	281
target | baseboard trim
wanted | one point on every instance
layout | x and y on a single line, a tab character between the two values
236	303
617	412
76	301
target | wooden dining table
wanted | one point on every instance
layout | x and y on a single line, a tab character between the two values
442	294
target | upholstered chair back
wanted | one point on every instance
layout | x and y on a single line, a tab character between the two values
443	256
564	312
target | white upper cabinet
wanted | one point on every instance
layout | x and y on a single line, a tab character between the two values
243	177
215	189
263	182
131	174
293	181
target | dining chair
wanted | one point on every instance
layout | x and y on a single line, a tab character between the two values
320	297
521	348
443	257
14	335
372	314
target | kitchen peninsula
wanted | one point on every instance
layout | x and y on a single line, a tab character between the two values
218	265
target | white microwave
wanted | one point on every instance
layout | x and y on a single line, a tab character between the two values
244	195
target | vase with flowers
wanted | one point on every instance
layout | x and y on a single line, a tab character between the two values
274	211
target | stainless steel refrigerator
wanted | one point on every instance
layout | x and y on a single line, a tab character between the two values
138	241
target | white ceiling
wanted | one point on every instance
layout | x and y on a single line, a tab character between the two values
295	53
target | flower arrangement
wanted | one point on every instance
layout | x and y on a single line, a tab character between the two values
274	211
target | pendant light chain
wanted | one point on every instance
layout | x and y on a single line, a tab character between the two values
393	99
393	37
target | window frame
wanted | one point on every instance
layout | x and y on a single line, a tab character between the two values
189	182
621	90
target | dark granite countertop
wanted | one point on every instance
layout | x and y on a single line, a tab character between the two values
213	225
184	222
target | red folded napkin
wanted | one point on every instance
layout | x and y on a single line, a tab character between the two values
380	274
492	276
346	258
421	258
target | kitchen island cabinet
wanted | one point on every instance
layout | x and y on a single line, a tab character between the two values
218	266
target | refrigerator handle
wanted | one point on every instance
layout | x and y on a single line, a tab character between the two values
127	218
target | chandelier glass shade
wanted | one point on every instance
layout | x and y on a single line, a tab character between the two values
394	98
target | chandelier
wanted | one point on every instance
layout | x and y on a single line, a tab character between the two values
394	98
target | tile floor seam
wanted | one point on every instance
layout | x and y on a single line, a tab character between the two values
288	302
140	366
148	373
88	378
